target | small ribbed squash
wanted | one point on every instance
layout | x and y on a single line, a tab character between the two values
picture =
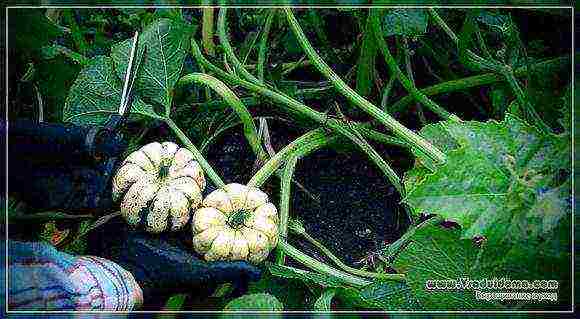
235	222
159	185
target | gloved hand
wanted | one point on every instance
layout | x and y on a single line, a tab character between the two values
69	168
163	264
57	166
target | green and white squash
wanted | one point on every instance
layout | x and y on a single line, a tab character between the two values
235	222
159	185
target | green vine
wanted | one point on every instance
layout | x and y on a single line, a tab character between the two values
397	128
213	176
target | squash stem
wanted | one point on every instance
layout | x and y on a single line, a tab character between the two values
322	267
302	232
213	176
351	131
389	122
405	81
249	128
479	80
163	170
285	191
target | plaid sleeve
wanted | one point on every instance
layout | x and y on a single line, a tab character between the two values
42	278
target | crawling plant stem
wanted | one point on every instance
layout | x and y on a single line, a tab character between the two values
397	128
263	45
437	18
409	69
302	145
523	99
224	40
291	105
475	81
405	81
321	267
505	70
386	92
302	109
300	231
207	31
260	87
230	97
285	192
393	249
213	176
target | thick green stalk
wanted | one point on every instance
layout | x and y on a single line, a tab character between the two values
435	16
213	176
238	66
523	99
302	232
491	64
263	46
359	140
317	139
302	145
321	267
386	92
477	80
291	105
302	109
365	130
397	128
409	69
285	192
393	249
250	131
405	81
207	31
476	59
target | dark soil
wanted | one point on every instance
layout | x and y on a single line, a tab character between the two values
350	206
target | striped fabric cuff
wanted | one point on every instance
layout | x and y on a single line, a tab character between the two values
103	284
43	278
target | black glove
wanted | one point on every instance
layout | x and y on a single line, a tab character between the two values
53	166
56	166
163	264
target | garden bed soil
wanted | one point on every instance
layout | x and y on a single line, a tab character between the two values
348	205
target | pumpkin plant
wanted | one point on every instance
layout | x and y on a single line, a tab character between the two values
237	222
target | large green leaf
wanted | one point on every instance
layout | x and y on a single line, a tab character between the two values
254	302
543	258
162	49
405	21
499	178
96	94
379	295
291	292
434	254
54	78
30	29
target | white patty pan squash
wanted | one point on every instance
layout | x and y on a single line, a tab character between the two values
159	185
235	222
